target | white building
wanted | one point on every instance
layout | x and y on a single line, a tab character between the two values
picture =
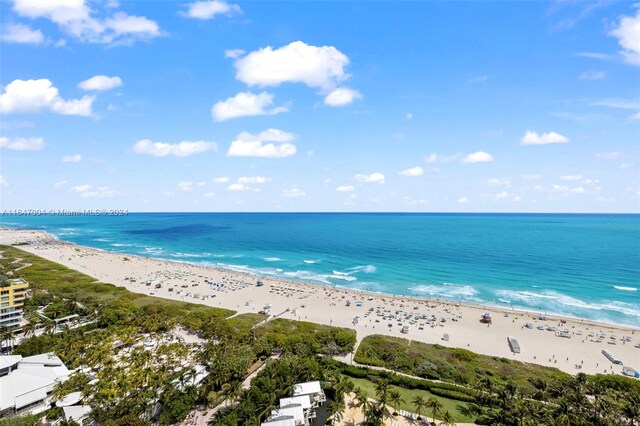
299	409
26	383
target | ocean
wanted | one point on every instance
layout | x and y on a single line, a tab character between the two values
585	266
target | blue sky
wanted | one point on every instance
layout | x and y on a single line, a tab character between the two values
320	106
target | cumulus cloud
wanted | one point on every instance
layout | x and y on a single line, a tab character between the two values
246	104
372	178
252	179
210	9
221	179
342	96
413	171
533	138
238	187
318	67
32	96
345	188
188	186
77	19
435	158
75	158
272	143
21	34
3	182
91	192
478	157
182	149
22	144
292	193
463	200
100	82
628	34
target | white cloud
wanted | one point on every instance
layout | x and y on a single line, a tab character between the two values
408	116
571	177
342	96
209	9
77	19
372	178
208	194
594	55
318	67
345	188
499	182
22	144
75	158
252	179
22	34
292	193
592	75
533	138
478	157
221	179
272	143
413	171
3	182
238	187
246	104
502	195
60	184
435	158
564	189
100	82
233	53
188	186
463	200
32	96
628	34
89	192
182	149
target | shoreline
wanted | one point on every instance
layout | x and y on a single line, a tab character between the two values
334	305
484	305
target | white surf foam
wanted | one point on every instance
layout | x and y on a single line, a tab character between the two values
621	288
446	290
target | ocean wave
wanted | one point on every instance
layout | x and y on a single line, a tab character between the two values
342	277
621	288
309	261
552	301
186	255
367	269
447	290
120	245
272	259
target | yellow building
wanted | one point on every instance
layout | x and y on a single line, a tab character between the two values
12	295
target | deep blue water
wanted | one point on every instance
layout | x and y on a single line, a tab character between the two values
577	265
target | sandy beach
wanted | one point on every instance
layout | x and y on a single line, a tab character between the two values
581	351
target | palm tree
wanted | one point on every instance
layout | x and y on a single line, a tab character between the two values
447	419
360	401
435	405
382	391
418	403
336	410
396	399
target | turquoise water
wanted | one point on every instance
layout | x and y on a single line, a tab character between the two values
577	265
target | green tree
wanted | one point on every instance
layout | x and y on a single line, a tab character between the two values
418	403
435	405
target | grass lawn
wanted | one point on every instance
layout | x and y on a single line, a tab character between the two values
244	322
408	394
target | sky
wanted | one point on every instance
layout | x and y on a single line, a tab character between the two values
320	106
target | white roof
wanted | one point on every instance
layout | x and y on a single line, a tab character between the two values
307	388
9	360
33	378
76	412
294	411
280	422
303	400
70	399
